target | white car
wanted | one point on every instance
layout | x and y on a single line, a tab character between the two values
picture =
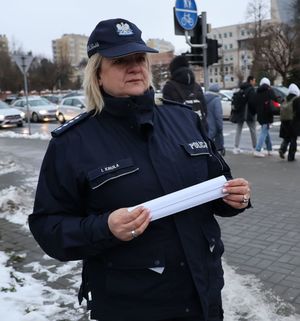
10	116
70	107
226	98
40	109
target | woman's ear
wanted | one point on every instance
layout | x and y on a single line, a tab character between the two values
99	81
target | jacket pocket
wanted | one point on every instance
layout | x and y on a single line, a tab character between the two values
107	172
198	155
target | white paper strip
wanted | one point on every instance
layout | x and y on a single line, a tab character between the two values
185	198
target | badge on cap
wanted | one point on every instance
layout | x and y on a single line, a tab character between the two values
123	29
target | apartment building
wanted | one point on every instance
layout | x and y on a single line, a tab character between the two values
282	10
70	47
235	64
3	43
236	57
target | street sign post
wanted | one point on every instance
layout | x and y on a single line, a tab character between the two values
23	62
186	14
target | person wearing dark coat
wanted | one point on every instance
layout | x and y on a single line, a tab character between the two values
246	114
264	97
215	117
182	88
290	129
124	152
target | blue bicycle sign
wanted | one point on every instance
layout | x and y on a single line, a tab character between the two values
186	13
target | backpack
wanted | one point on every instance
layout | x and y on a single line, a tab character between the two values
286	110
239	100
191	99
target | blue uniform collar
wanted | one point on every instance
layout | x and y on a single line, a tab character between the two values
137	109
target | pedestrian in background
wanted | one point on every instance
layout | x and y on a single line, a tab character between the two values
125	151
183	88
264	97
215	117
290	123
245	112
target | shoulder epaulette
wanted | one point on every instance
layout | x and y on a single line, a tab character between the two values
173	102
71	123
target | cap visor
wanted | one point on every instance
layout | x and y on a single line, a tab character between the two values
126	49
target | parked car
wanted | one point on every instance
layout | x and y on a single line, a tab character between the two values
226	98
10	116
70	107
281	92
54	99
73	93
40	109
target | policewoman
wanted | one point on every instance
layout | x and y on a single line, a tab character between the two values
125	151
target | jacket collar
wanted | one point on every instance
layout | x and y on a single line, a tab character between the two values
137	109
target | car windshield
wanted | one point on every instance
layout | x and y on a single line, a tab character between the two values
3	105
39	102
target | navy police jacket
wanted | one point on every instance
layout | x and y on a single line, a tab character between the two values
132	152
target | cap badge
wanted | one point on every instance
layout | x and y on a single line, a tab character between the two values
123	29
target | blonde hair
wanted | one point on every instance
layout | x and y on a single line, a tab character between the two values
91	86
93	95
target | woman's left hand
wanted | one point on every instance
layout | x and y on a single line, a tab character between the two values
239	193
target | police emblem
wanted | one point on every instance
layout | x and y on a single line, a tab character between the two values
123	29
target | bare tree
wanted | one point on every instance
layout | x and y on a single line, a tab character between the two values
257	12
278	47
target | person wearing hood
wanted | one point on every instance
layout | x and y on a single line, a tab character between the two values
215	117
264	97
123	152
182	88
247	113
290	128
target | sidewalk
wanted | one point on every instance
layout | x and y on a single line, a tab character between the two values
264	241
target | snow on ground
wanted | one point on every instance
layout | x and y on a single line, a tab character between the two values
8	166
12	134
25	298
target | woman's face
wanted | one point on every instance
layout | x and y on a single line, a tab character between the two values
125	76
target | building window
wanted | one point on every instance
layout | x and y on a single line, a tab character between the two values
225	35
230	34
231	46
242	32
220	36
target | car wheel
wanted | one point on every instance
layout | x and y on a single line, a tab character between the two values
61	118
20	124
35	117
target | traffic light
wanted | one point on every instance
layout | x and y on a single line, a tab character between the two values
212	51
196	55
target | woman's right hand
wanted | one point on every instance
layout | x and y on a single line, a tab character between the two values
126	225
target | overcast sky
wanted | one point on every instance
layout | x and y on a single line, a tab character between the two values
33	24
